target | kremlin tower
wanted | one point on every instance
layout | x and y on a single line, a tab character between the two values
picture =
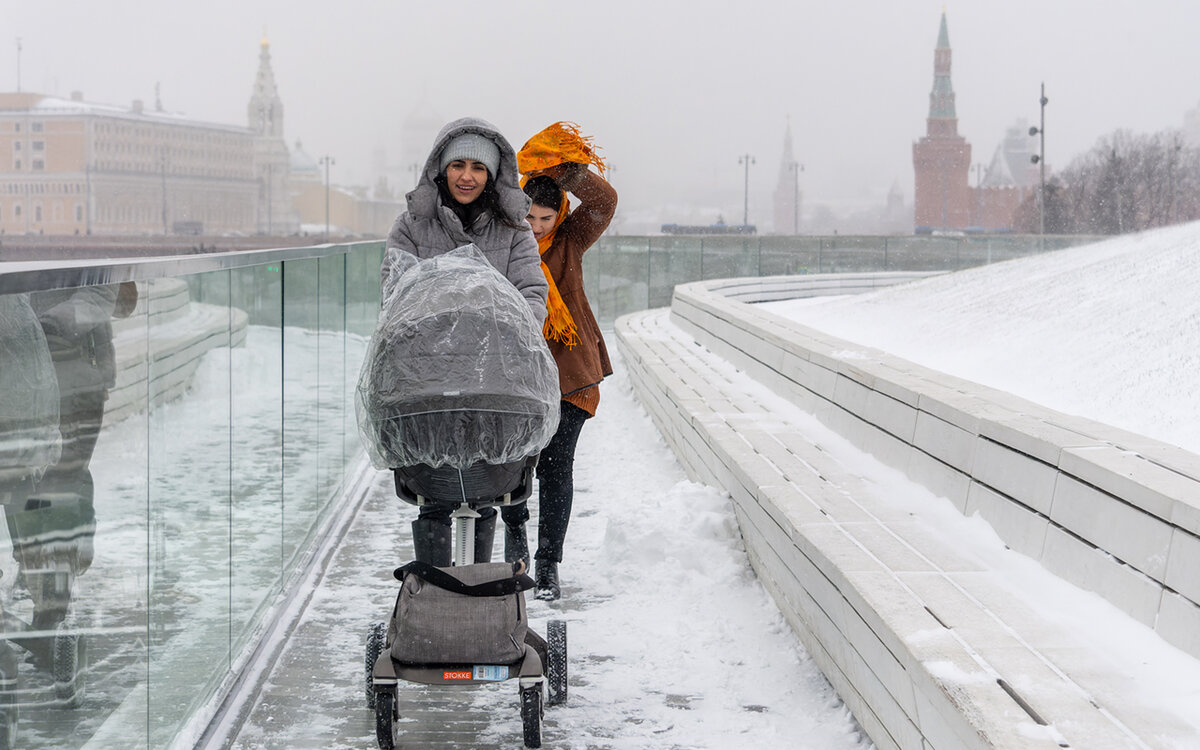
942	158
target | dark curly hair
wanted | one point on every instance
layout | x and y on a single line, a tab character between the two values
545	192
489	199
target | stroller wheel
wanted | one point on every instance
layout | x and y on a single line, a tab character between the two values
531	715
375	644
385	720
556	669
70	664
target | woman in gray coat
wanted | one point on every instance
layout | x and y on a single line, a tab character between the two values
468	193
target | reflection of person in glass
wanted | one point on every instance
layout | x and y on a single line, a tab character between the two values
29	444
52	532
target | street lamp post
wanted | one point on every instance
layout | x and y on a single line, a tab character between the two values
270	227
87	176
978	194
1040	159
796	168
746	159
163	158
327	161
614	224
1173	156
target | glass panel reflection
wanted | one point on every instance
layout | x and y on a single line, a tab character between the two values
190	460
72	555
672	260
256	390
615	275
301	493
167	451
331	414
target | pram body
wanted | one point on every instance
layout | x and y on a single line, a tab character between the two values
457	372
458	396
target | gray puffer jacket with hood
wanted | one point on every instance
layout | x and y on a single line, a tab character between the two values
429	228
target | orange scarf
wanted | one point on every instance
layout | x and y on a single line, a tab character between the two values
556	144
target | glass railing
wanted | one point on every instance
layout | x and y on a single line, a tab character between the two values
166	463
174	436
626	274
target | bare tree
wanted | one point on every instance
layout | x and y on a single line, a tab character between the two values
1126	183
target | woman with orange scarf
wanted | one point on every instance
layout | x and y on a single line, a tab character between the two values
554	163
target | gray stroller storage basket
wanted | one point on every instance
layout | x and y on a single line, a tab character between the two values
479	485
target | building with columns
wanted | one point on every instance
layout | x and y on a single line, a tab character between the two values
73	167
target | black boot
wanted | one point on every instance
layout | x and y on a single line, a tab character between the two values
431	542
516	544
546	579
485	535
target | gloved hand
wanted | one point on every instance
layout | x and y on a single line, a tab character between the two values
569	175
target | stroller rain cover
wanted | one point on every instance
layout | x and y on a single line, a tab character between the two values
457	371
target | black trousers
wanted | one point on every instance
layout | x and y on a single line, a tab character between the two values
556	485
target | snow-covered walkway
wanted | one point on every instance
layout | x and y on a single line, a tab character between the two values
673	642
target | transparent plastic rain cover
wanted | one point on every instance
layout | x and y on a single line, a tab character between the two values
29	435
457	372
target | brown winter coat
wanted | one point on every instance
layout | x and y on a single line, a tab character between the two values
584	365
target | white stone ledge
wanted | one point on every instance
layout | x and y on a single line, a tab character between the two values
906	632
1129	497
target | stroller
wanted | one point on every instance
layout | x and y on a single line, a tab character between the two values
457	396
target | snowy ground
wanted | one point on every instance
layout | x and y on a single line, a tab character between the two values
701	654
1109	331
673	642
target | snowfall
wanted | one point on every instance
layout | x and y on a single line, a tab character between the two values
673	642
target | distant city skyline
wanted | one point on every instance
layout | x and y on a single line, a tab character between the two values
673	92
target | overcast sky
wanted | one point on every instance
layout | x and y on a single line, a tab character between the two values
674	92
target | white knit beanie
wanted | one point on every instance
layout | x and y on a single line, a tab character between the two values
472	146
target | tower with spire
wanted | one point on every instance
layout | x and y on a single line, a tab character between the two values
942	158
787	189
264	112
